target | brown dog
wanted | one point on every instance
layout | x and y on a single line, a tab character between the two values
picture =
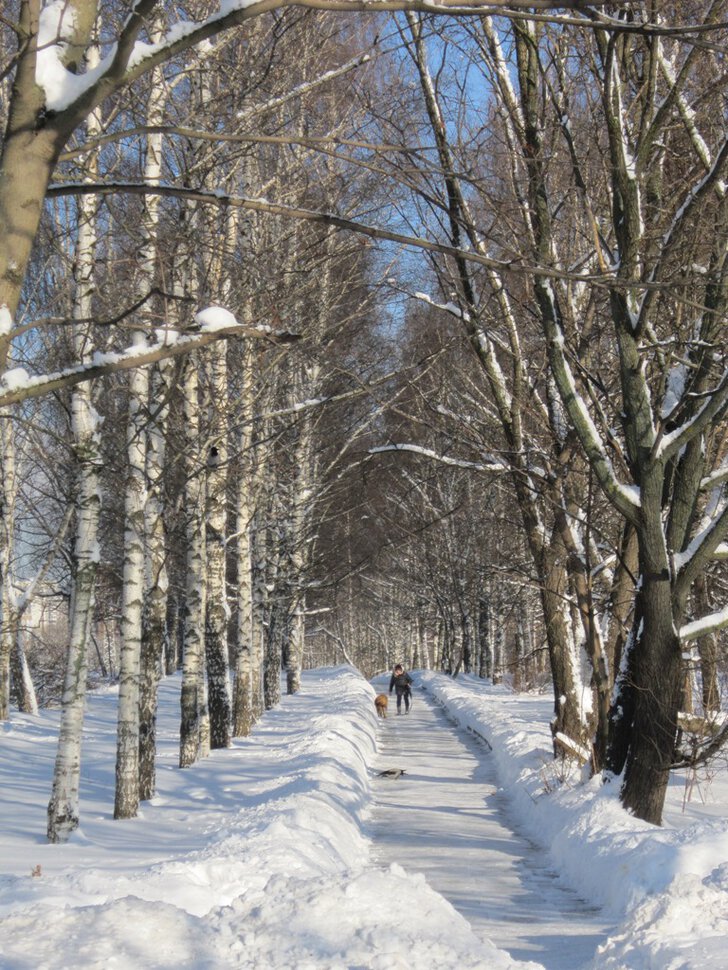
380	702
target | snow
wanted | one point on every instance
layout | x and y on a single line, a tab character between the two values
675	389
446	817
215	318
63	87
6	320
451	308
489	463
15	378
246	856
668	886
166	336
705	625
261	856
18	380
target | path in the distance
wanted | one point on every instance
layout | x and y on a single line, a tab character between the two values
444	818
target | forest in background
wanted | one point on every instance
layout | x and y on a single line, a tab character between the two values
455	292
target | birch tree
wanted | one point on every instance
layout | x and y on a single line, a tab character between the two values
63	807
148	420
8	632
247	667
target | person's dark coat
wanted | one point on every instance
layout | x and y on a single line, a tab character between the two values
400	681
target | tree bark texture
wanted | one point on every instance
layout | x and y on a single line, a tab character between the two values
193	696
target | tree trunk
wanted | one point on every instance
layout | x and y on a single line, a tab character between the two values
243	697
25	695
565	673
243	710
466	643
485	652
30	150
193	699
154	645
272	658
63	807
708	650
657	683
7	530
216	612
126	804
259	634
296	641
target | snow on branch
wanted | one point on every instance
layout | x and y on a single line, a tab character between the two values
452	308
626	499
489	464
131	57
455	311
704	546
721	552
573	748
65	25
676	440
704	626
716	478
213	324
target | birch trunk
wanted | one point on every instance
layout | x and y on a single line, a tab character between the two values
272	657
126	804
300	512
708	652
262	568
258	621
485	653
497	637
154	643
155	639
7	530
194	726
466	641
63	807
275	608
243	711
24	688
296	646
140	657
520	674
216	245
243	696
28	158
216	611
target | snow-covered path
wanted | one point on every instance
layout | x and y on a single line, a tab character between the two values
444	818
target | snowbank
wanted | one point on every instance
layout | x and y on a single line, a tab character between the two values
668	886
257	857
254	858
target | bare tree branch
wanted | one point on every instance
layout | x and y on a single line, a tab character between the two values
31	387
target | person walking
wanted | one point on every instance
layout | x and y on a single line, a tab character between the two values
401	682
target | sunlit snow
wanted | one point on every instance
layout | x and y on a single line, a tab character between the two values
261	856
